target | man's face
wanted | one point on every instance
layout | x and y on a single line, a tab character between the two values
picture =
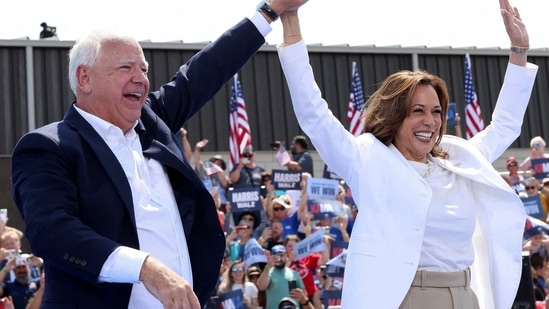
280	260
21	273
277	230
279	211
116	87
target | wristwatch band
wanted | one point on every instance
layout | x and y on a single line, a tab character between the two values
265	8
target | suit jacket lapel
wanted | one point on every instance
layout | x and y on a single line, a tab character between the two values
108	160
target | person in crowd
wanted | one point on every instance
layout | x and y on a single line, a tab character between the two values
301	157
538	264
11	244
212	176
279	208
537	151
444	183
246	173
253	275
108	199
514	176
535	239
306	266
235	278
185	144
272	235
35	302
23	288
240	235
276	277
533	188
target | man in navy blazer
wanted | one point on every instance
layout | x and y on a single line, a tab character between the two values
109	201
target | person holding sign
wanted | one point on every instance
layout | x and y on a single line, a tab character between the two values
537	151
451	207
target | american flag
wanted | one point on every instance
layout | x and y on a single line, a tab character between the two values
473	116
240	135
356	104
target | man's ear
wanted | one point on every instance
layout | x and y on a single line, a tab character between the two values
83	78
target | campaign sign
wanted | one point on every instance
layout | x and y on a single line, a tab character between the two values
244	199
451	115
331	298
532	205
253	253
336	266
286	180
540	167
232	300
322	209
322	188
337	247
312	243
329	174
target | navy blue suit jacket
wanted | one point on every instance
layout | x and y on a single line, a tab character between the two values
76	201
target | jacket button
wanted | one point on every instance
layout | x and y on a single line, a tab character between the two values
66	256
83	263
72	259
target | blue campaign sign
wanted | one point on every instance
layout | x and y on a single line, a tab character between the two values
451	116
329	174
533	208
232	300
286	180
331	298
245	199
540	167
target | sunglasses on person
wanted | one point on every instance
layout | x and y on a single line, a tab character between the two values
237	269
512	164
253	277
278	208
530	187
288	307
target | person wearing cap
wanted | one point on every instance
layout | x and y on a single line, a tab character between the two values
280	208
536	239
288	303
246	173
458	222
537	151
514	176
253	275
240	235
276	276
23	287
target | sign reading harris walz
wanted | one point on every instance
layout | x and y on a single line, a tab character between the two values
286	180
541	168
246	199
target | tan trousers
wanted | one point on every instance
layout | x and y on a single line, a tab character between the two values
441	290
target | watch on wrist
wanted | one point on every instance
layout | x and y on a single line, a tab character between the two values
264	7
306	303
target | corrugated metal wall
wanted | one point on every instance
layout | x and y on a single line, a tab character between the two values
267	100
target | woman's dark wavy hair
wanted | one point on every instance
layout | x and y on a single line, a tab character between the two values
390	105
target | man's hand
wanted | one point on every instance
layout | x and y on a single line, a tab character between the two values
163	283
281	6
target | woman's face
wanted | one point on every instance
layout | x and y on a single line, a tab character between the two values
419	131
237	272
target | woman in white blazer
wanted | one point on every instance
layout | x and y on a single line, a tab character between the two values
432	209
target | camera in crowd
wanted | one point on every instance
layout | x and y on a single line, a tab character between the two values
276	145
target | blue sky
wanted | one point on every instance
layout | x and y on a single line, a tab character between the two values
432	23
